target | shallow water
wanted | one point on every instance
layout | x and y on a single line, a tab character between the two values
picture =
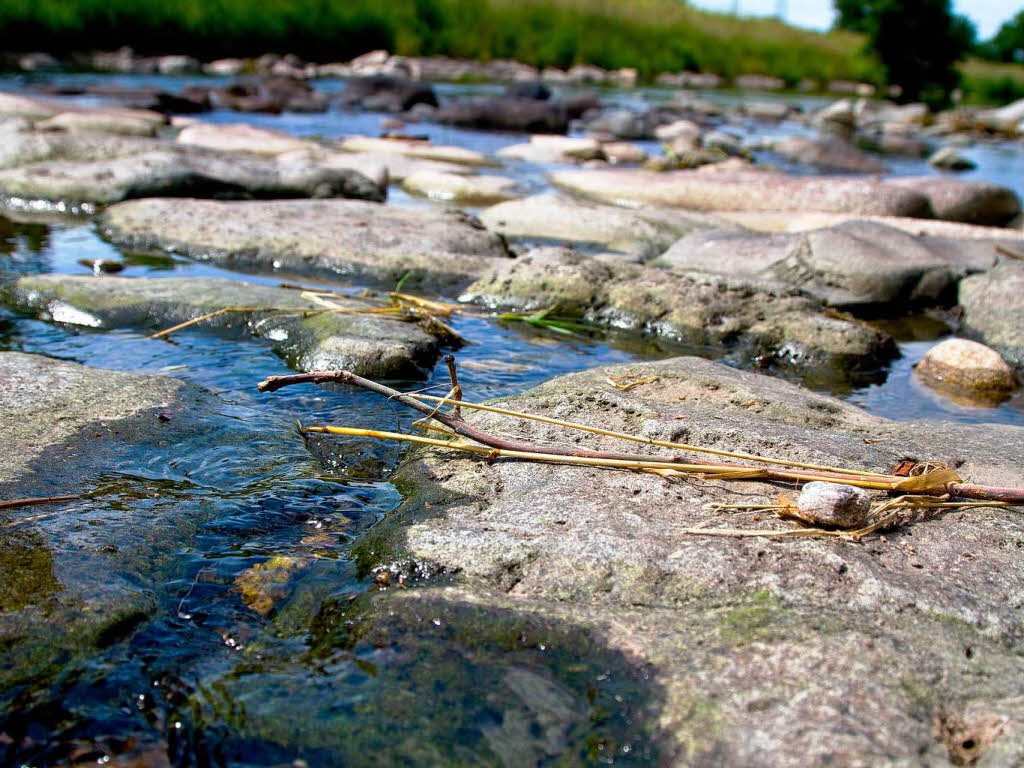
231	671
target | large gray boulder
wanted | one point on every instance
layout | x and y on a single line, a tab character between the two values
372	345
329	238
902	650
856	264
720	190
178	171
762	321
644	232
993	305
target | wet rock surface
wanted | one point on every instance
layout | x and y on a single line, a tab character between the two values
442	249
901	649
754	320
744	191
179	171
373	346
80	578
993	305
855	264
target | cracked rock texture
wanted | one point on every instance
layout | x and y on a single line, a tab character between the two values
901	650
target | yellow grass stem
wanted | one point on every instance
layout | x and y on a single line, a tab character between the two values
279	310
663	468
651	441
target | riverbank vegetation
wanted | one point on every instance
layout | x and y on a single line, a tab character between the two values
651	35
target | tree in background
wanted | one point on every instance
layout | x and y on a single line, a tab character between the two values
918	42
1008	43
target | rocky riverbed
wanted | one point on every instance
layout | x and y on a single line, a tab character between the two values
754	274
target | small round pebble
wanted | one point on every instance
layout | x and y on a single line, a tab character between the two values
966	366
833	504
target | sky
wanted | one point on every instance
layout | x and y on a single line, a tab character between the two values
987	15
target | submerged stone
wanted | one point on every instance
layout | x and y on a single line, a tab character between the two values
332	238
872	643
369	345
81	577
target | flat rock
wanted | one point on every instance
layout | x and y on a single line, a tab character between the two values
329	238
172	171
856	264
771	323
420	149
993	305
968	369
65	588
467	190
22	147
768	221
721	190
19	105
371	345
395	168
545	149
644	232
972	202
382	167
127	122
903	650
240	137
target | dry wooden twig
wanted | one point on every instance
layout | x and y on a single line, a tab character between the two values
942	482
